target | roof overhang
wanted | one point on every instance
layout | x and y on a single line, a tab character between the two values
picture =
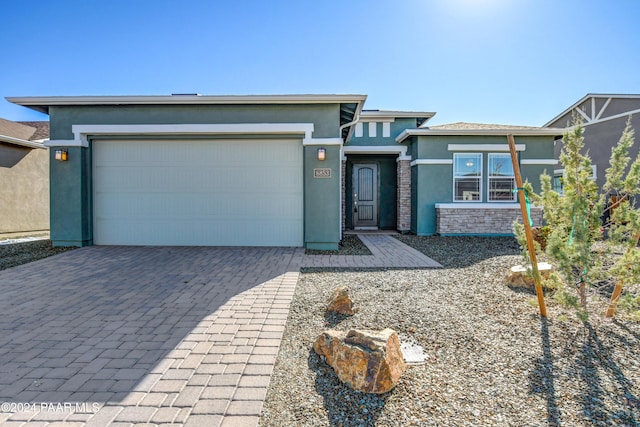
21	142
478	132
42	103
350	105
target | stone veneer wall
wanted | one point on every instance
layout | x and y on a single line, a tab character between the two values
404	195
488	220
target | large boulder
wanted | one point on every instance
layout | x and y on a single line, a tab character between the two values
341	302
368	361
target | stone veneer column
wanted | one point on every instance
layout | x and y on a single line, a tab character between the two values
343	185
404	195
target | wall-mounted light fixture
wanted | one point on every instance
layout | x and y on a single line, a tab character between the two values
322	154
61	155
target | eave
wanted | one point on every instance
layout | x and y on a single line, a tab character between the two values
21	142
42	103
477	132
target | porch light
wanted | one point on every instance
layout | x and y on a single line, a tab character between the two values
322	154
61	155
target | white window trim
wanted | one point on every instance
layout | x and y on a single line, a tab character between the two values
386	129
480	178
484	147
513	195
82	132
359	130
594	172
373	129
538	162
432	162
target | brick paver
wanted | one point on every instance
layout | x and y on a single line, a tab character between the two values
386	252
154	335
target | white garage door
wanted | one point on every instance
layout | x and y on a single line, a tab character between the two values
198	192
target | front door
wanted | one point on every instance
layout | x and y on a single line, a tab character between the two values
365	196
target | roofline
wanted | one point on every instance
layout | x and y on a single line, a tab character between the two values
21	142
591	95
480	132
42	103
396	114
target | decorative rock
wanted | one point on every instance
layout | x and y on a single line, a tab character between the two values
521	275
341	302
368	361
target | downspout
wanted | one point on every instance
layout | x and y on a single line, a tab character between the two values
341	207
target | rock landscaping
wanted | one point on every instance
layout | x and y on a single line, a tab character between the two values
341	302
367	361
490	358
15	254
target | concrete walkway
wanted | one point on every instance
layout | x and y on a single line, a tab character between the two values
126	336
386	252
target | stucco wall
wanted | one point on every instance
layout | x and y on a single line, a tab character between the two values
24	193
601	137
71	192
433	183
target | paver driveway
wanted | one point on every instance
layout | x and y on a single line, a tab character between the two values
143	335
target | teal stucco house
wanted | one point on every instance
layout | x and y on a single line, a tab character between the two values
274	170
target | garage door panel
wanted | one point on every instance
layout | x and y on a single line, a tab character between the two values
228	193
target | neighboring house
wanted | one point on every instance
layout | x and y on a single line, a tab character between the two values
604	117
274	170
24	178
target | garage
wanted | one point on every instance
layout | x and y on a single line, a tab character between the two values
198	192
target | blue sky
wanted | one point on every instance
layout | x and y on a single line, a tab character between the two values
492	61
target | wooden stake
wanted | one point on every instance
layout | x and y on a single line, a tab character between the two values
527	228
617	291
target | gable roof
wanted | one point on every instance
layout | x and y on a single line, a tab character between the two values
464	128
21	134
593	97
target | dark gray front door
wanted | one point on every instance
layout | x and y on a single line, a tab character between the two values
365	195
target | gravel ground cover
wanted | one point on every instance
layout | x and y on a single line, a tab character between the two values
22	253
491	359
350	245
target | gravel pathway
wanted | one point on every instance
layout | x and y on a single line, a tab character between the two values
491	359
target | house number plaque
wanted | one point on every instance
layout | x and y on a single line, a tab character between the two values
322	173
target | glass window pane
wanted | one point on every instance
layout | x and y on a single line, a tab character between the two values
501	189
467	189
500	165
467	165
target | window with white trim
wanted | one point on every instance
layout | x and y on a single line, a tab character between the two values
467	177
502	180
557	181
386	129
372	129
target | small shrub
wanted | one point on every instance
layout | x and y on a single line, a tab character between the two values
565	299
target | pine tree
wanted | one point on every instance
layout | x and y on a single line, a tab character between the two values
575	218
